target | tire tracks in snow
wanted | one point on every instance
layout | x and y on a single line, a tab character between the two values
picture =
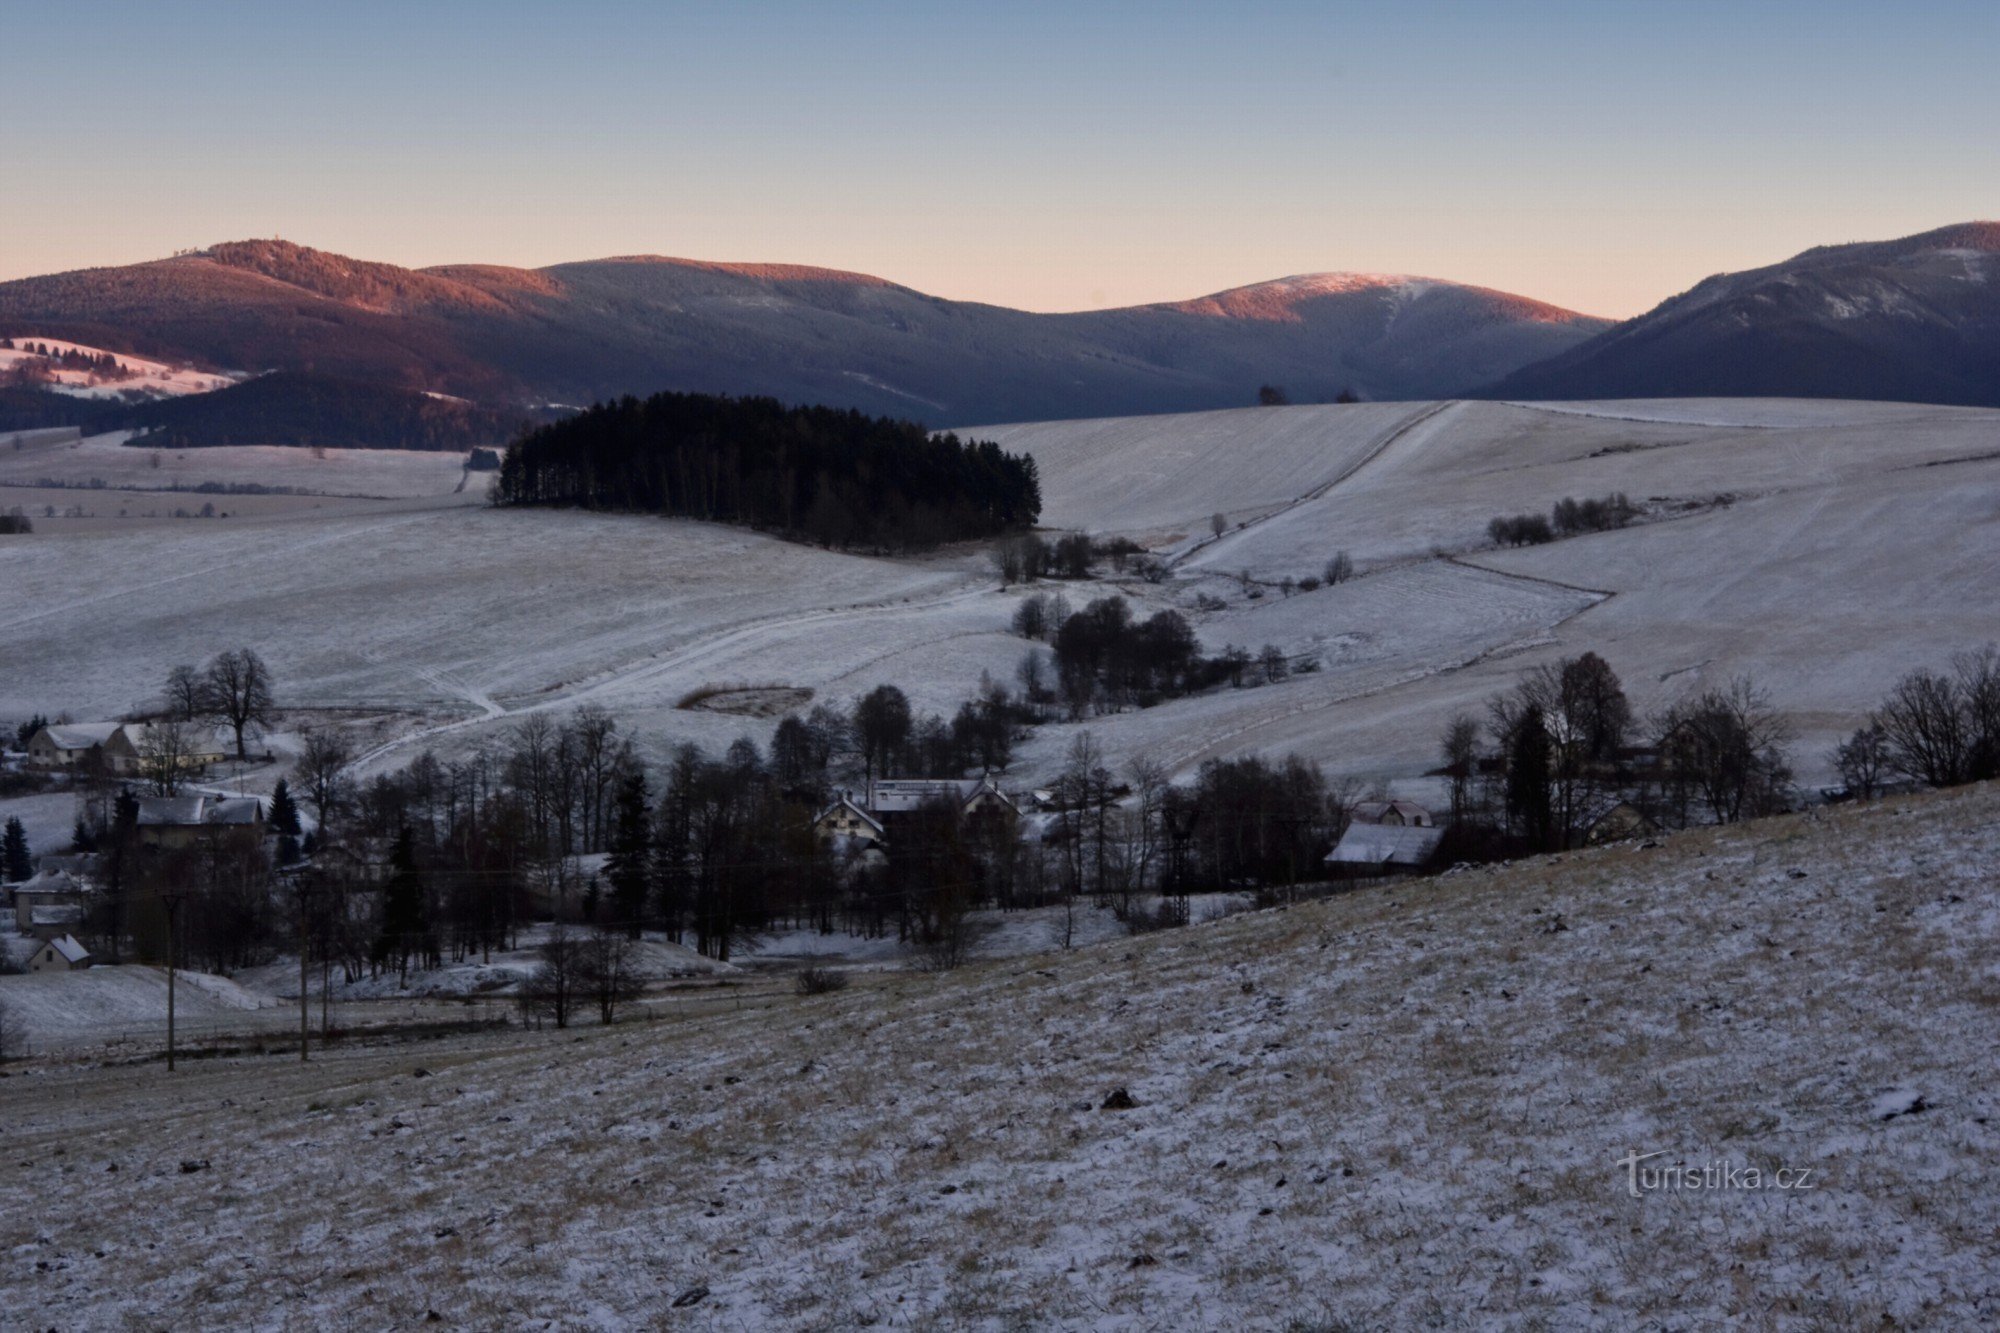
693	656
1325	488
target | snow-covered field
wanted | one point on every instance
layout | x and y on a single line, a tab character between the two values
1416	1106
382	473
153	379
101	1005
1824	547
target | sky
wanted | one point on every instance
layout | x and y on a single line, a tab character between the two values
1601	155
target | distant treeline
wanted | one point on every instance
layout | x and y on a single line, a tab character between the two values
287	408
838	478
293	408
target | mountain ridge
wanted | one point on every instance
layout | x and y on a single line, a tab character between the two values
593	329
1915	318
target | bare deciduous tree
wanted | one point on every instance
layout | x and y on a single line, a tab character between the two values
187	694
167	755
1863	760
551	990
322	772
605	972
238	691
1725	749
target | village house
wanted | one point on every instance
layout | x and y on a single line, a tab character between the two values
871	819
127	749
67	745
1398	814
122	746
50	904
182	821
847	821
1384	849
62	954
1618	822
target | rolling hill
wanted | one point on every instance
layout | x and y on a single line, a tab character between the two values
1909	320
574	333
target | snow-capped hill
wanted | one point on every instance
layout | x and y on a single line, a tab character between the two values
1913	319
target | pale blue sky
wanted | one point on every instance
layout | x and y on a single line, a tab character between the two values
1056	156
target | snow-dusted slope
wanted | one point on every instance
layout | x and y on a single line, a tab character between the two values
1398	1108
1856	541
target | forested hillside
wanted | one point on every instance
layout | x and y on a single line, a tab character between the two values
303	409
838	478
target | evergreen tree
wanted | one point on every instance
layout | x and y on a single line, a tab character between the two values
1528	772
15	863
405	927
629	867
285	819
838	478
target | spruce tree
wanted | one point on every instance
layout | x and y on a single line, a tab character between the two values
1528	772
15	863
285	819
404	927
629	867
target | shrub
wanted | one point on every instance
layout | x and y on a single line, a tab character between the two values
816	980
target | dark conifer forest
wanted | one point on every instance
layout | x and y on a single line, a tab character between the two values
834	477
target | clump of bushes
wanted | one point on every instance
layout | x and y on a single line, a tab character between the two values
1569	517
816	980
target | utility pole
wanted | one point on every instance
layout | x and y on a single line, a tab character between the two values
172	898
305	1008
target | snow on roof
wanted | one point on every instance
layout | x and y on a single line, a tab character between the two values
901	795
233	810
170	810
55	914
1374	812
847	803
80	735
1386	844
188	811
51	882
71	951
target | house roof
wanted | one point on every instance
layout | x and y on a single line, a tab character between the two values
1386	844
196	741
170	810
56	914
79	735
902	795
50	883
1374	812
71	951
845	803
191	811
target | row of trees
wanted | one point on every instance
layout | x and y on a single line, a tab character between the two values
1940	728
838	478
1556	749
1568	518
